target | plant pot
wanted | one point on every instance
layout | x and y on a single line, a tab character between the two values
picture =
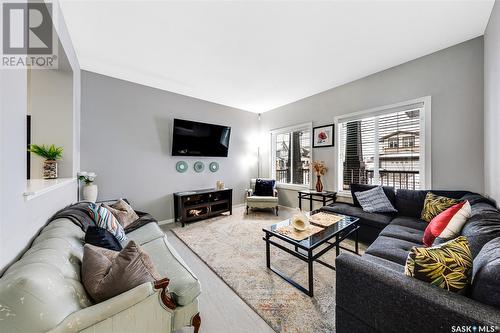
89	192
49	169
319	184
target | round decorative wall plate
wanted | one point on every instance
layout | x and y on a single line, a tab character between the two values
181	166
199	166
213	166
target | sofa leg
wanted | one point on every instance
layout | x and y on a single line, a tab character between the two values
247	210
196	322
277	210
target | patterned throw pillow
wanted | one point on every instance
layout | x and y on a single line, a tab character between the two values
123	212
375	201
104	219
448	266
448	224
434	205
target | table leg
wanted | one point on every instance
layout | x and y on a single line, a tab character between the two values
300	202
268	252
310	202
337	246
310	273
356	245
324	201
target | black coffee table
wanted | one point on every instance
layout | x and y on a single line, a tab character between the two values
312	247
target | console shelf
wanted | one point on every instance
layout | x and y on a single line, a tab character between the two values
190	206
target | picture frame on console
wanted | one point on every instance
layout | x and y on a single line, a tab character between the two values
323	136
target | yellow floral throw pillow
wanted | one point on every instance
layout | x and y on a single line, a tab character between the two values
434	205
448	265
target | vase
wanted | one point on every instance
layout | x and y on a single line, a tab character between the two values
90	192
49	169
319	184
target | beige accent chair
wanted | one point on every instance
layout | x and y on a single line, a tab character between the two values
43	292
261	202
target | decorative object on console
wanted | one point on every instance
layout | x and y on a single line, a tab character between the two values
181	166
105	219
107	273
448	224
123	212
320	168
213	166
51	154
323	136
101	237
89	190
299	221
434	205
219	185
198	166
448	266
375	201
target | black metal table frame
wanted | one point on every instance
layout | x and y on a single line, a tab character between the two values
326	198
310	257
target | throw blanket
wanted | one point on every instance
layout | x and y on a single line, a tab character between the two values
80	215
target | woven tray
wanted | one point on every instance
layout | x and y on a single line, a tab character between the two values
290	231
324	219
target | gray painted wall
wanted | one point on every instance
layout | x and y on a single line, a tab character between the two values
454	79
492	105
126	131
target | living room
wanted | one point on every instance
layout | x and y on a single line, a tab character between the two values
199	166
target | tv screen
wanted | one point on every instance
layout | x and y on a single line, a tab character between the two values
199	139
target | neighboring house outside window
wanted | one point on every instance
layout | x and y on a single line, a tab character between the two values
291	155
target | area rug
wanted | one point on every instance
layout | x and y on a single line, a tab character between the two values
232	246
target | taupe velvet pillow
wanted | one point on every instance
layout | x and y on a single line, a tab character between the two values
123	212
107	273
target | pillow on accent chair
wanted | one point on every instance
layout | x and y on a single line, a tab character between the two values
123	212
101	237
448	266
448	224
486	274
434	205
264	187
375	201
105	219
107	273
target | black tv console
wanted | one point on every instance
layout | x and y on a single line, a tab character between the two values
198	205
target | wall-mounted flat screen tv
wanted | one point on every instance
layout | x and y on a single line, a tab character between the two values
200	139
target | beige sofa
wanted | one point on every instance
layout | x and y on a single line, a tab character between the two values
42	292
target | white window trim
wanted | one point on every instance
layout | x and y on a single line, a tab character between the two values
425	137
288	129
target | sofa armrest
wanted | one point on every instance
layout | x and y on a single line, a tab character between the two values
249	192
275	192
380	298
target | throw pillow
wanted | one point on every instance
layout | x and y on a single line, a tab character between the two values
123	212
375	201
106	273
448	224
448	266
264	187
104	219
486	274
101	237
388	190
434	205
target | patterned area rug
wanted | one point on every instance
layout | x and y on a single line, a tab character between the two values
232	246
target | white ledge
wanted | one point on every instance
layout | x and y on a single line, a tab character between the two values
37	187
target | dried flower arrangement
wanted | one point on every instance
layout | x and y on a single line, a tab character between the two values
319	167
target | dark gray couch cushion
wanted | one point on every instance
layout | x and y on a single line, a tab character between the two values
385	263
411	202
388	190
372	219
486	274
482	227
405	233
411	222
392	249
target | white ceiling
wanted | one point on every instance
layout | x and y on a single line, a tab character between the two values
258	55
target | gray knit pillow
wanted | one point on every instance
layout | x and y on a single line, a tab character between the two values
375	201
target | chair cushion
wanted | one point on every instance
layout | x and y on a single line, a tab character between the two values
255	198
264	187
486	274
372	219
388	190
375	201
404	233
146	233
184	285
101	237
391	249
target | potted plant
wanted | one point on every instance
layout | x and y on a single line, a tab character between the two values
51	154
320	168
89	189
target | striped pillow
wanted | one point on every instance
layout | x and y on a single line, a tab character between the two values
105	219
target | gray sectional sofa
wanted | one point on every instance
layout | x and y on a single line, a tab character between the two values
374	295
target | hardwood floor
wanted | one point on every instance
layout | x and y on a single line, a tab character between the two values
221	309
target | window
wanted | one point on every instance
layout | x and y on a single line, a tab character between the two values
291	155
384	146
